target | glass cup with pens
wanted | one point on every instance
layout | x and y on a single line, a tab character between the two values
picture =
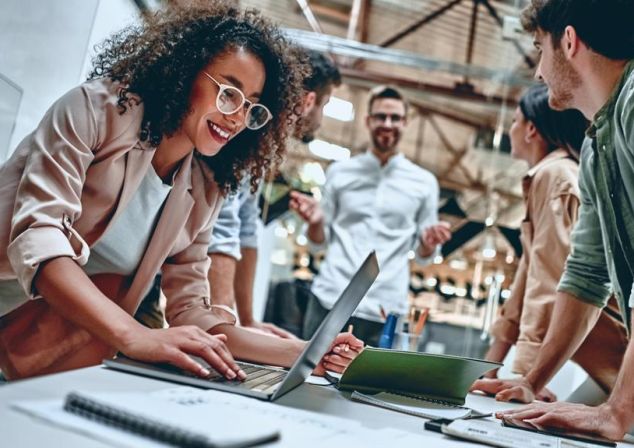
404	333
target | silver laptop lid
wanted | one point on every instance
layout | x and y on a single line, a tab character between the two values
331	325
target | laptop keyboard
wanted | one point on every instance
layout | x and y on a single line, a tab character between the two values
258	378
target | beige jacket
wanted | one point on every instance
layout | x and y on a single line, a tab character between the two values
62	188
552	203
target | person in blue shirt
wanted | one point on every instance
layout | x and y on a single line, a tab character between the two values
233	248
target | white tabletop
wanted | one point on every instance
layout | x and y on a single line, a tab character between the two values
20	430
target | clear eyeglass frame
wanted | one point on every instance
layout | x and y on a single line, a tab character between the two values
230	99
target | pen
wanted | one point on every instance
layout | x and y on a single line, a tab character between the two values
476	416
346	347
422	317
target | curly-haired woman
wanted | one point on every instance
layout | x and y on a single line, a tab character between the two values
124	177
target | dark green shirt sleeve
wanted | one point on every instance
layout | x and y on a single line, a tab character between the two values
586	274
626	109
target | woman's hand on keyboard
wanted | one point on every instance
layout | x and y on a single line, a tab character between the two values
173	345
342	351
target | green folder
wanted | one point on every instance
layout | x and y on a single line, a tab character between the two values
440	378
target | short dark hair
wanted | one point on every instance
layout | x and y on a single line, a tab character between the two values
382	92
603	25
324	73
560	129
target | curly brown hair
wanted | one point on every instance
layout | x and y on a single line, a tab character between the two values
159	60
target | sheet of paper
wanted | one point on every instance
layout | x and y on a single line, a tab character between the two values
395	437
297	426
318	380
52	412
209	410
204	411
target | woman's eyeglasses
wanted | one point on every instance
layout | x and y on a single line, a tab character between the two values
231	99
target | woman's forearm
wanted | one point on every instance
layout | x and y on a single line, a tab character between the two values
572	321
258	347
81	302
496	353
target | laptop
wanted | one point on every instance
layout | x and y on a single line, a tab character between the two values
269	383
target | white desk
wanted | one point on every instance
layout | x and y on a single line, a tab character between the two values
19	430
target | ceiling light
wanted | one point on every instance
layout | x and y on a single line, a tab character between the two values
328	151
339	109
488	247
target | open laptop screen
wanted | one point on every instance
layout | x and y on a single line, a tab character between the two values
331	325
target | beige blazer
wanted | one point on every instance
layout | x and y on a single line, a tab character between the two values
61	190
552	203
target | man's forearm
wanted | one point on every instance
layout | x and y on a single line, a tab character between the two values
570	323
221	276
243	284
621	399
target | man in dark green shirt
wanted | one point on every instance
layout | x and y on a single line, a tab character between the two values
587	52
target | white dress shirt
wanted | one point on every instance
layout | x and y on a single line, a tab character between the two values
372	207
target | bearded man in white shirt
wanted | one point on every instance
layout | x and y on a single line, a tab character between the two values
379	201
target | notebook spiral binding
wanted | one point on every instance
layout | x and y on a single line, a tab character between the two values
431	400
425	413
110	416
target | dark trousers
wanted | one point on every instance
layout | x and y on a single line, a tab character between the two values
366	330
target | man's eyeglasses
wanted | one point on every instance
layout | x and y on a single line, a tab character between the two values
382	118
231	99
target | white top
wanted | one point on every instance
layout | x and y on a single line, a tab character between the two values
369	207
121	248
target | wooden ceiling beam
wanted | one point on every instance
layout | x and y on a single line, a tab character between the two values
493	13
419	23
330	13
310	17
463	94
472	122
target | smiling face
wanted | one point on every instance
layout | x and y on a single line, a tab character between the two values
386	123
205	126
557	72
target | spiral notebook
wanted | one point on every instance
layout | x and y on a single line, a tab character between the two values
175	423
